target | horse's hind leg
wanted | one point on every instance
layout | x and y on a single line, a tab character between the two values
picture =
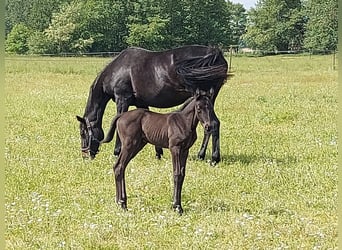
159	152
215	156
121	107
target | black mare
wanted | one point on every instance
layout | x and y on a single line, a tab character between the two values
175	130
143	78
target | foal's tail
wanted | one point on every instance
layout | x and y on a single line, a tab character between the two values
110	134
204	72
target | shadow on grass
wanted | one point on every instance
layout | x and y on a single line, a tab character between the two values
246	159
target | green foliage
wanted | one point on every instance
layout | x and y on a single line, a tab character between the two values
17	39
38	43
95	26
237	22
35	14
276	187
321	29
275	25
150	35
65	33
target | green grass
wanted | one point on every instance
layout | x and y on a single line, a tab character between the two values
276	187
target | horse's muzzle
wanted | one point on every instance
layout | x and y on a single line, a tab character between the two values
87	155
207	128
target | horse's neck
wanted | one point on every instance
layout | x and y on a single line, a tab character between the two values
189	113
96	104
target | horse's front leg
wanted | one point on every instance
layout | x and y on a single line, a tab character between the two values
179	157
215	132
201	153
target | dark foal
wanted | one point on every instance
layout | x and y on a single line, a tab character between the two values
175	130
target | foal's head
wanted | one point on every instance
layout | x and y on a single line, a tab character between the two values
204	109
90	142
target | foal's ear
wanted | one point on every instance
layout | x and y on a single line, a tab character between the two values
211	93
80	119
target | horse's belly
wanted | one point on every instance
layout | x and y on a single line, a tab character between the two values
161	98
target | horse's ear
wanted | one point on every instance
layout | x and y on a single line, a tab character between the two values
197	93
80	119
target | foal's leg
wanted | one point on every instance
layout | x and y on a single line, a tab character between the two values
128	151
179	157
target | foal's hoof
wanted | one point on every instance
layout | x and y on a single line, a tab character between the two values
178	209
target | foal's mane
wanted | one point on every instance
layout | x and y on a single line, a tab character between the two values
186	103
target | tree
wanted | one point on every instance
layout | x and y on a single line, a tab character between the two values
321	28
207	22
17	39
34	14
275	25
237	22
62	28
150	35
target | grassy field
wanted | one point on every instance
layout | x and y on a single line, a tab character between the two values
276	187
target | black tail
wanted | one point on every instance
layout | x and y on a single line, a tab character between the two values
110	134
203	72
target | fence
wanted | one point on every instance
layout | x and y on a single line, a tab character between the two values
235	50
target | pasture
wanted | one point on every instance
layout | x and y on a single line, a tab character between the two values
276	187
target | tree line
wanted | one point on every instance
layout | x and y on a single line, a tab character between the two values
83	26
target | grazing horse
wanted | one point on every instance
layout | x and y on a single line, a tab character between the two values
175	130
143	78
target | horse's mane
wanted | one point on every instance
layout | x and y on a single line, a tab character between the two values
203	72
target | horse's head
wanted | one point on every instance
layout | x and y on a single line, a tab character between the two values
204	109
90	141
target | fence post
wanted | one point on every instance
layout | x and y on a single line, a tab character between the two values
334	60
230	58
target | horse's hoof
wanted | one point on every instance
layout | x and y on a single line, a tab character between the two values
213	163
122	204
200	157
178	209
215	160
158	157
